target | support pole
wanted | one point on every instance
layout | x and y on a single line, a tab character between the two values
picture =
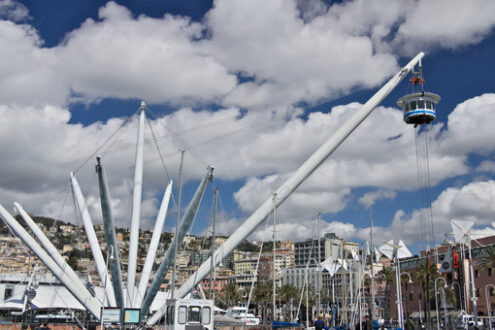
185	223
110	236
296	179
78	290
136	209
101	266
212	273
155	240
47	245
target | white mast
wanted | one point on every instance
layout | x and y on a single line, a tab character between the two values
184	226
136	209
110	236
78	290
92	239
294	181
155	239
48	246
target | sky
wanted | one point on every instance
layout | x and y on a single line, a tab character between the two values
251	88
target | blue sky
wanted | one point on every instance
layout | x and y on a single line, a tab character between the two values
252	88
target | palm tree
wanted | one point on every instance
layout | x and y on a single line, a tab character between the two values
388	274
232	294
285	294
262	296
488	259
426	273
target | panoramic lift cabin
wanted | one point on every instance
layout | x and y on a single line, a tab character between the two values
419	107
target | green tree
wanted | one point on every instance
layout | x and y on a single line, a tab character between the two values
487	261
387	274
233	294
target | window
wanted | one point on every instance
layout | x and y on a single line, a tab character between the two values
410	297
194	314
428	105
9	292
170	315
181	318
476	273
206	315
421	104
413	105
490	271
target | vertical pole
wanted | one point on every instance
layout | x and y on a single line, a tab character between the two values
307	296
110	236
176	247
474	299
212	273
136	209
318	267
372	262
274	256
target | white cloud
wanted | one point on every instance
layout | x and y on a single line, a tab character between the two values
13	11
152	59
445	24
368	199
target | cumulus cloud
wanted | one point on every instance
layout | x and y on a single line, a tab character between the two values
13	11
257	55
368	199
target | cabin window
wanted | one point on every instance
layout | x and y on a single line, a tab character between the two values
413	105
194	314
421	104
428	105
9	292
407	106
206	315
181	317
170	315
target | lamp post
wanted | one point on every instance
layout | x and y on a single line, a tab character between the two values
488	306
436	299
307	288
400	287
460	295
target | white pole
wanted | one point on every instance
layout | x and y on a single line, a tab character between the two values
274	257
155	240
319	269
110	235
101	267
474	299
47	245
79	291
136	209
176	247
297	178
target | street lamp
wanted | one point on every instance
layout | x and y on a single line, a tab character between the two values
307	288
436	298
460	295
400	288
488	306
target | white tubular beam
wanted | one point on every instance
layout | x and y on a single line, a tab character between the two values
155	239
46	244
101	266
78	290
136	209
292	183
110	235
